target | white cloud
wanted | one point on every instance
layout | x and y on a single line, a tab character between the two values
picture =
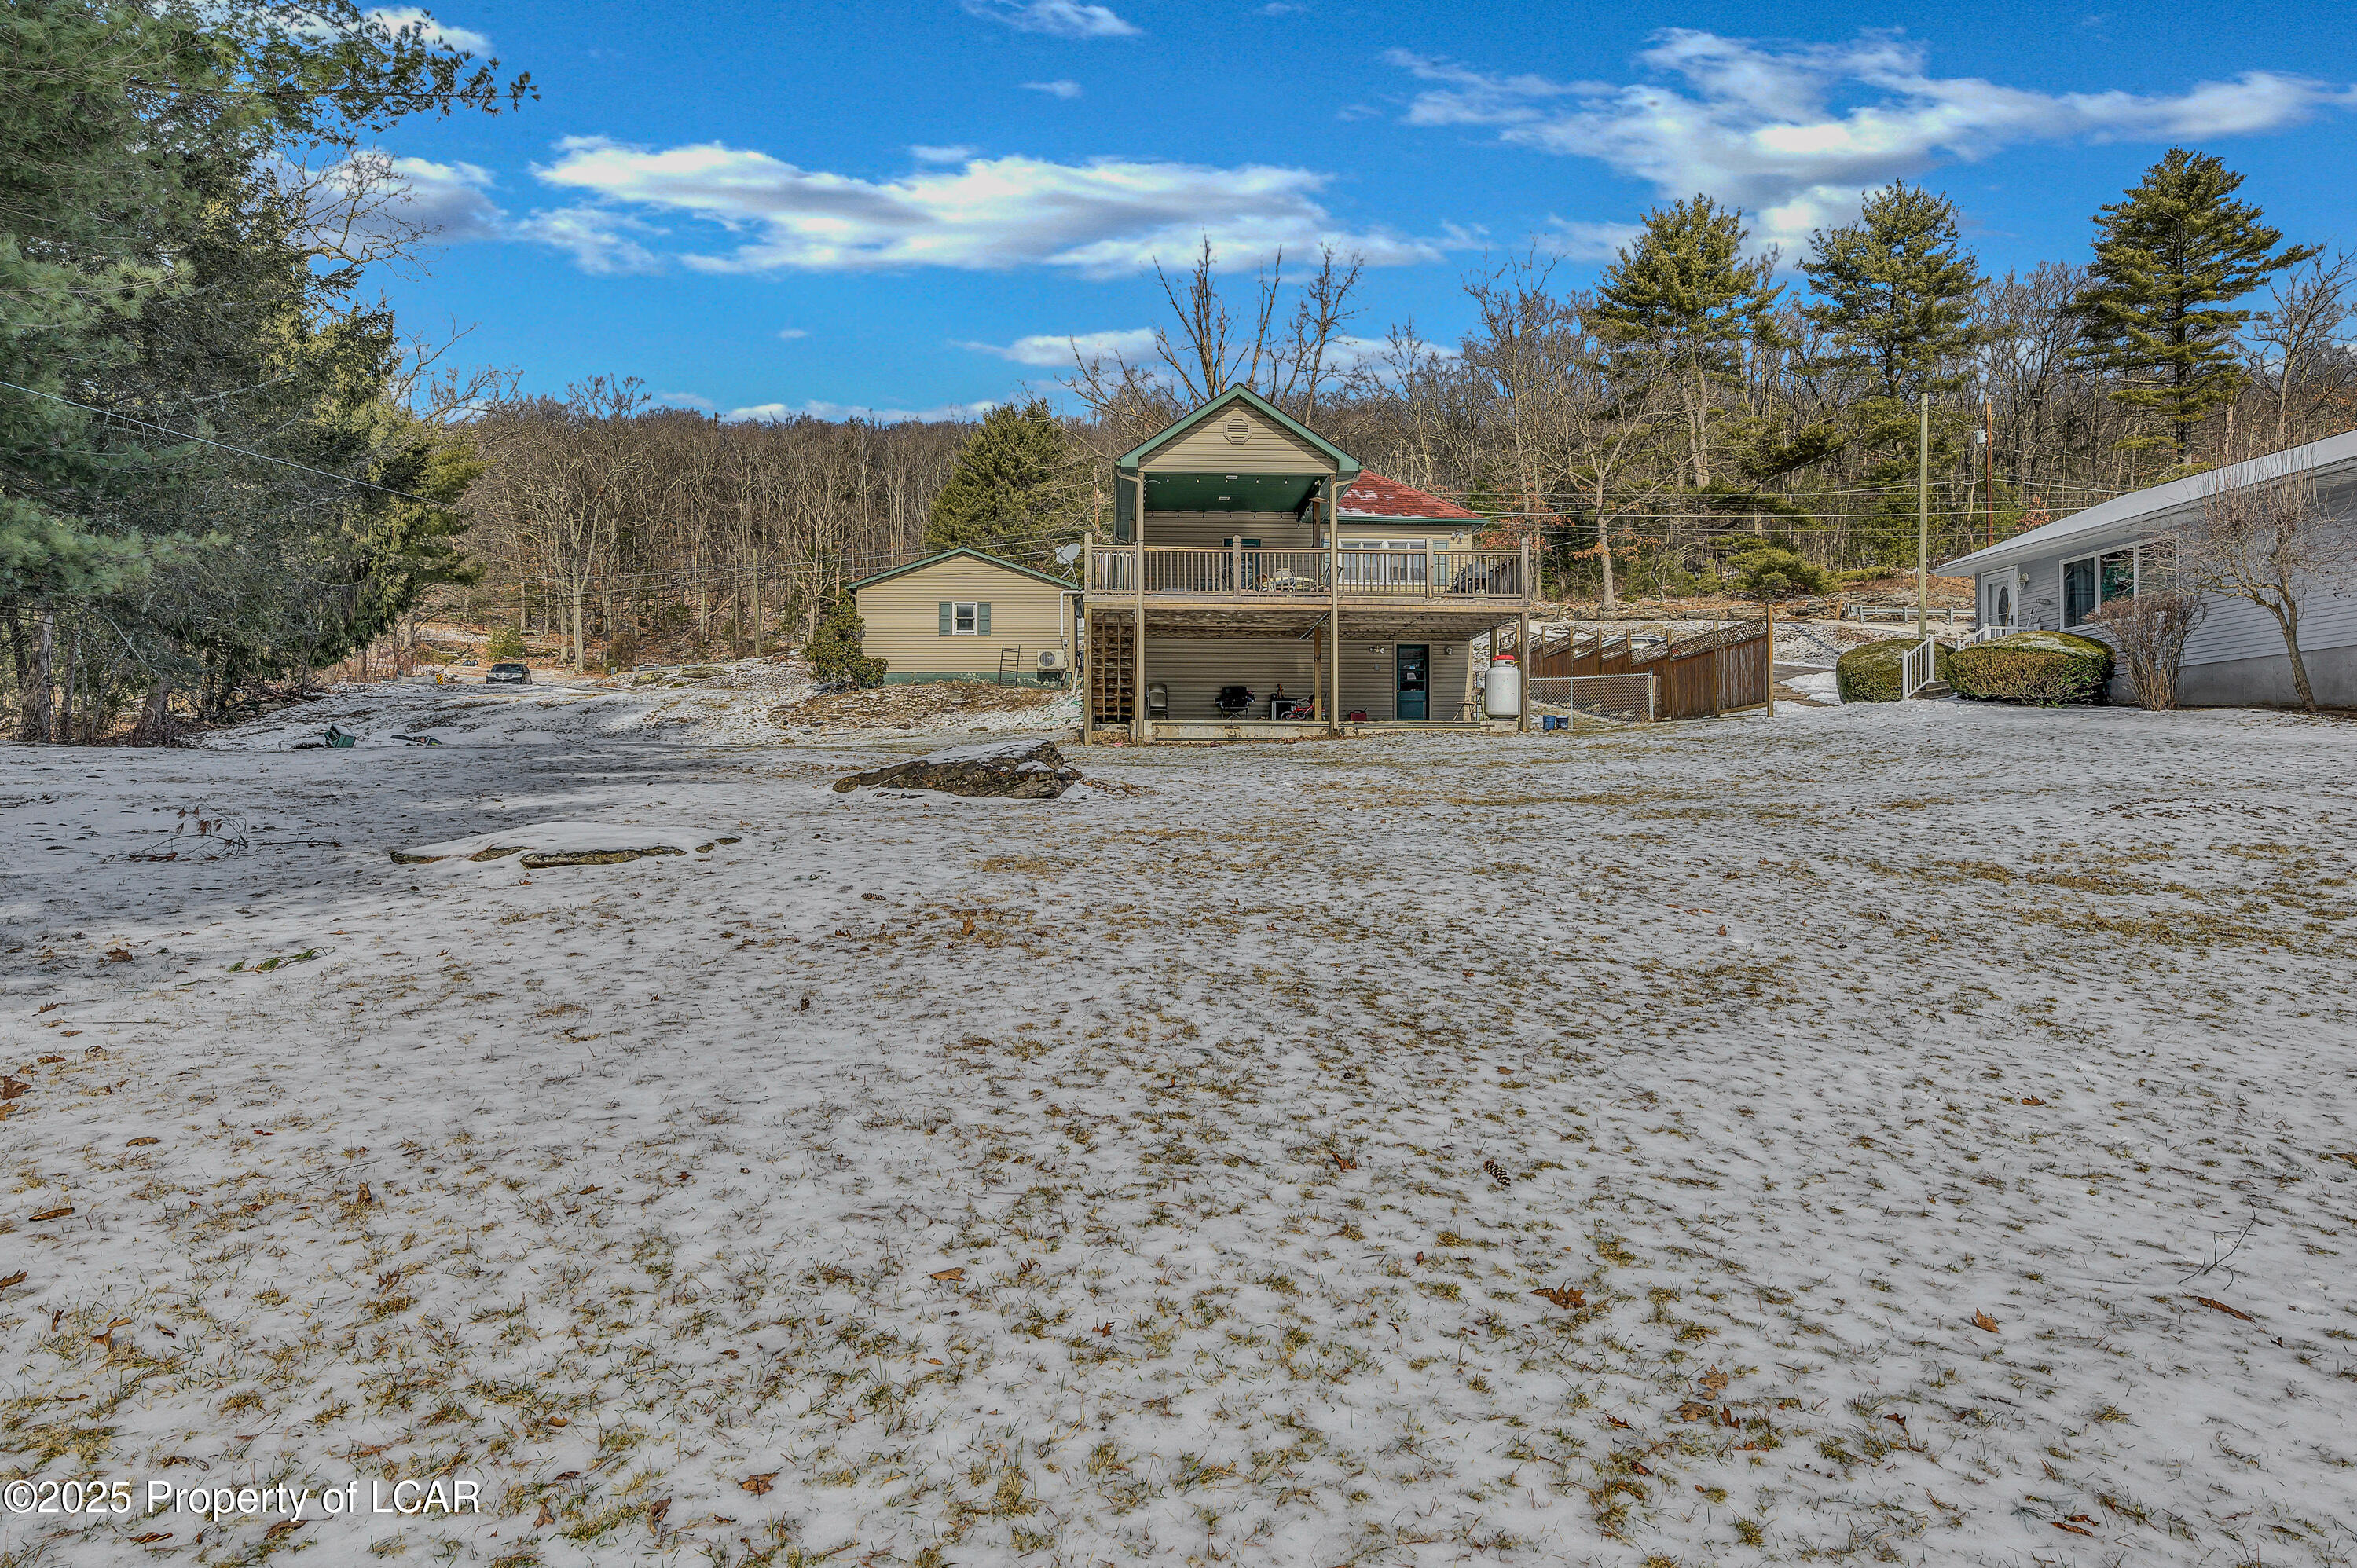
400	17
1061	19
819	408
1099	219
447	200
599	240
1062	87
791	333
1582	239
1050	349
686	400
953	154
1794	132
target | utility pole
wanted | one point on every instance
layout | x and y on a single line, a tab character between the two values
1923	522
1988	463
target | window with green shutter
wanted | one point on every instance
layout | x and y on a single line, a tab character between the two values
982	619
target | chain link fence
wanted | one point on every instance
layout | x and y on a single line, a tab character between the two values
1594	701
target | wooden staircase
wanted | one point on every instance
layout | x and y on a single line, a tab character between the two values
1113	672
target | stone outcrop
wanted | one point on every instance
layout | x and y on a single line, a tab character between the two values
1019	770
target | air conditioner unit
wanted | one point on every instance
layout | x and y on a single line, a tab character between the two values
1051	659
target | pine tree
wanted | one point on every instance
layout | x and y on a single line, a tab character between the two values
2169	259
1680	304
1895	293
1019	478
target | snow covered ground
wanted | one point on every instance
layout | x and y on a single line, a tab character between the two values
1912	1133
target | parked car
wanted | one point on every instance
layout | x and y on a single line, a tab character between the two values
508	675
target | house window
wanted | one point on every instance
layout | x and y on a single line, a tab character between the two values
2093	581
1380	562
966	618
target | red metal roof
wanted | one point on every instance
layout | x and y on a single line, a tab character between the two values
1375	496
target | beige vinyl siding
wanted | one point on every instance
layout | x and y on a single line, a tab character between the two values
1267	448
902	617
1370	680
1206	529
1440	532
1193	669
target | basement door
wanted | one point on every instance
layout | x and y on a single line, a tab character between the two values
1413	663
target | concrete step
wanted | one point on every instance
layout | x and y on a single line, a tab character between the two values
1936	689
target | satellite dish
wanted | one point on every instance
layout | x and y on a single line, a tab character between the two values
1068	553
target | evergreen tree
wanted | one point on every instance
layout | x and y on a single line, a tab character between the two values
1018	479
1680	304
1895	292
2169	260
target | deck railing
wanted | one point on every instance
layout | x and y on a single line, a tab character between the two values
1234	571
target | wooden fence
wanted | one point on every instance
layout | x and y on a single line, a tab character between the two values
1714	672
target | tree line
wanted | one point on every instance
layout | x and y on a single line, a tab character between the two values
221	465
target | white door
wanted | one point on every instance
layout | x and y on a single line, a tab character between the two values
1996	601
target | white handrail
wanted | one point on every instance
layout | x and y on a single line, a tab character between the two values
1917	670
1987	634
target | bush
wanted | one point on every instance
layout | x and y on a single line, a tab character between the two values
622	648
1773	572
2047	669
834	651
506	643
1870	674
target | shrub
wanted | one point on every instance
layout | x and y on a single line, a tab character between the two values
1773	572
2047	669
622	648
506	643
2148	634
1870	674
834	651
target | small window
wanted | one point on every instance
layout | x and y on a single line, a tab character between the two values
966	618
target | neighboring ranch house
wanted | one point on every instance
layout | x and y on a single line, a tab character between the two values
965	615
2054	579
1250	555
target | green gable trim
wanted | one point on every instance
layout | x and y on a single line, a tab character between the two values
1346	465
1064	582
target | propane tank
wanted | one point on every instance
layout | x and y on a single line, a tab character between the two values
1501	694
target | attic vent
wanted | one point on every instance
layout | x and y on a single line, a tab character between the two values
1239	430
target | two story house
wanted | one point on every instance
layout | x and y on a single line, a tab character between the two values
1261	581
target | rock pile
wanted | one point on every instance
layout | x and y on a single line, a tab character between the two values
1013	770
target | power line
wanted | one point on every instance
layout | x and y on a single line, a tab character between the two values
241	451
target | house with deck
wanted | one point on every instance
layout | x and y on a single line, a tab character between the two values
1260	581
2055	578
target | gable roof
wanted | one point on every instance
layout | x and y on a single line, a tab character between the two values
1372	495
2126	513
1346	465
972	553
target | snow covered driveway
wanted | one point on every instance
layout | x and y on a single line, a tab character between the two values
1732	1143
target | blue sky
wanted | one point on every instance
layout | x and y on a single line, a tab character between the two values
904	205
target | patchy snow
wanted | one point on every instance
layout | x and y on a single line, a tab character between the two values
1823	686
1881	1102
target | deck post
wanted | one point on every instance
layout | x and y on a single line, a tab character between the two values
1141	712
1084	670
1334	605
1523	659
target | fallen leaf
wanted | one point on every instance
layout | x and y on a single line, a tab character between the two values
759	1485
2031	1099
12	1281
1722	931
1639	1466
547	1515
955	1276
62	1213
1618	1423
930	1361
1693	1410
2072	1528
1345	1162
587	1190
10	1088
118	955
1714	1382
2206	1301
142	1142
1565	1296
1983	1320
51	1061
46	1007
283	1527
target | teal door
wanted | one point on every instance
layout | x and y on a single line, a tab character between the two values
1413	666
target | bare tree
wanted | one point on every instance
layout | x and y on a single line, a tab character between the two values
2270	544
2149	632
2301	340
